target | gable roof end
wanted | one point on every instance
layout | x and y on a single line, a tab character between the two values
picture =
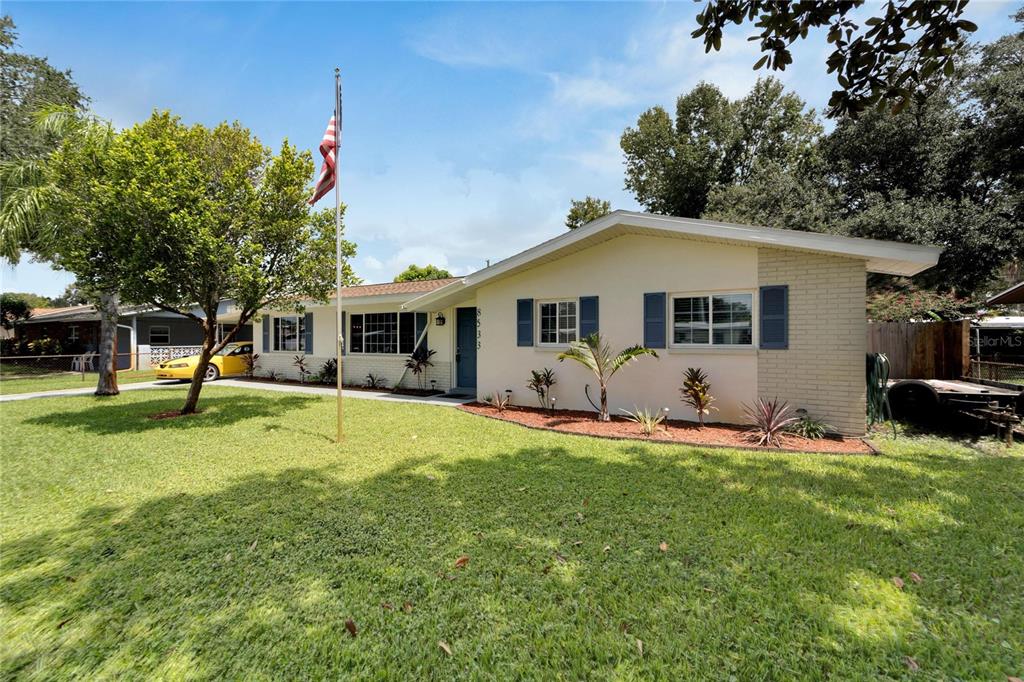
892	258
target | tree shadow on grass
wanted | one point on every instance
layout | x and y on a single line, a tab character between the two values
101	416
763	577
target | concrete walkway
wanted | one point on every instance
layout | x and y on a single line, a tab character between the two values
326	391
61	392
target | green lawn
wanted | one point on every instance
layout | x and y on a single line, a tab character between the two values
15	379
236	544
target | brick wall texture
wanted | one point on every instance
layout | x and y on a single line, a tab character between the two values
822	371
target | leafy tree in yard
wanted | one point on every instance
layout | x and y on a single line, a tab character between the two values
887	62
415	273
906	303
673	165
33	300
27	84
196	215
13	309
74	294
944	170
51	206
583	211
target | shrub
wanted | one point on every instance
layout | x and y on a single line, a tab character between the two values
806	426
541	383
596	355
498	401
299	362
696	393
418	362
44	346
251	363
270	375
768	419
328	373
375	381
647	420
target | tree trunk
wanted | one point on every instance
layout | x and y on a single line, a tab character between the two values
209	341
106	384
604	404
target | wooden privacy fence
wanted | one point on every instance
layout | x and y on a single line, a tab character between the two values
923	350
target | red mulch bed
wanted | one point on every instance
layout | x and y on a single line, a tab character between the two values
317	384
670	431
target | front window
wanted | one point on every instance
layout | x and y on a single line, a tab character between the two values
558	322
73	332
290	333
382	333
159	335
717	320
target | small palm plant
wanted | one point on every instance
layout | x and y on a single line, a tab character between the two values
768	419
696	392
596	355
541	383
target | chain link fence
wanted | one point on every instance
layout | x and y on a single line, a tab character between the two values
1006	372
30	373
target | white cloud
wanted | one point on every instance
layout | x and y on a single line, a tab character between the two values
460	41
587	91
425	211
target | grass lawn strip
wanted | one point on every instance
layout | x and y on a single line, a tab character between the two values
11	383
238	542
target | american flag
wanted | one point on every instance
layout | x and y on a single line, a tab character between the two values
325	182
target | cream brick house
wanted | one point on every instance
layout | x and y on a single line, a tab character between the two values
764	312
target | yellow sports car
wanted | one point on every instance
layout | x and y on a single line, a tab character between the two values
230	360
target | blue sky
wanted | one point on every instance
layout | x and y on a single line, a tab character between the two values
468	127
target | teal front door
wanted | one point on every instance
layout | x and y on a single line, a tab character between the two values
465	347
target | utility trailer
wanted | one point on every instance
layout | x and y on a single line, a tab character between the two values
994	403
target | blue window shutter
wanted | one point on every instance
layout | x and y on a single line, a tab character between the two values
266	333
421	324
344	336
524	322
775	317
309	333
654	320
588	316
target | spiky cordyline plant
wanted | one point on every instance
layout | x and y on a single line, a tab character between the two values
696	392
418	362
541	383
596	355
768	419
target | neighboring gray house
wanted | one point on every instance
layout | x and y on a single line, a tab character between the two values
145	335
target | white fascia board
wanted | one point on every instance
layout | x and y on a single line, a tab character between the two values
881	256
424	301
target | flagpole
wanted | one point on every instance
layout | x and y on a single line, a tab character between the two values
337	233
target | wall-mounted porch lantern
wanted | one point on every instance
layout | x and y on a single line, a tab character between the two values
439	320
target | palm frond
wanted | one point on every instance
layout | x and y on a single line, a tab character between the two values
627	355
24	220
20	173
582	354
